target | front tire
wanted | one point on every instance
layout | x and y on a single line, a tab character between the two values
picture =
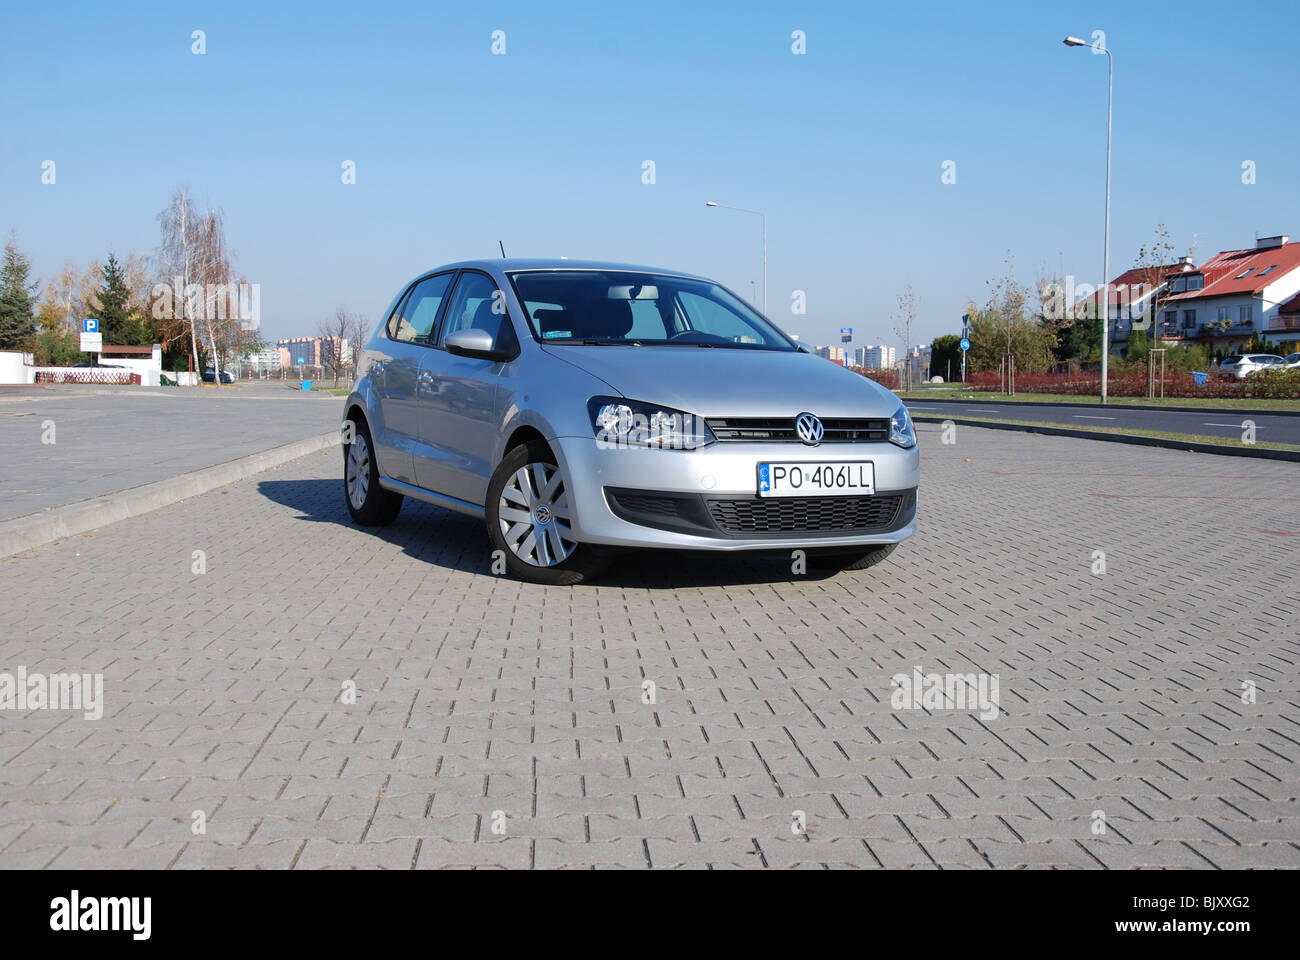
856	560
529	514
369	504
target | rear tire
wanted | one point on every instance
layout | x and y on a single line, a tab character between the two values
529	512
369	504
856	560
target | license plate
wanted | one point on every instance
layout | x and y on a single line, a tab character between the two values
845	478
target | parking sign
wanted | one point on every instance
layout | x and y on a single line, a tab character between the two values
90	325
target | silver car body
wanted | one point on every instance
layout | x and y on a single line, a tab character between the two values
1249	363
441	423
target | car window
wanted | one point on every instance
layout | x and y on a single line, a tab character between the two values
1232	359
477	304
713	317
614	306
413	323
647	323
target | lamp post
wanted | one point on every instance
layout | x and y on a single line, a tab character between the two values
726	206
1105	270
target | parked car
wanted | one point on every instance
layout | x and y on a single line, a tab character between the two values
582	407
1291	362
1243	365
210	376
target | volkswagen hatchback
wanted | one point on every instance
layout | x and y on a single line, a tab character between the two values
581	407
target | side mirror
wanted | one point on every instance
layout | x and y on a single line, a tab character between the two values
475	343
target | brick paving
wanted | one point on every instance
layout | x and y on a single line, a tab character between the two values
501	724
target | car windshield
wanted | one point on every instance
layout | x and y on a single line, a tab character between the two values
1293	358
602	307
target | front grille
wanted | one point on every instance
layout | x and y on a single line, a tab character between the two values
806	515
650	505
781	429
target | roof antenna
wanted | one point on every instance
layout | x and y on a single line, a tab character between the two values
503	249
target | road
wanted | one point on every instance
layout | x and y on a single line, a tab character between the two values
1221	423
1137	605
107	439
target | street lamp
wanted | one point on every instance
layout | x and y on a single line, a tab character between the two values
714	203
1105	269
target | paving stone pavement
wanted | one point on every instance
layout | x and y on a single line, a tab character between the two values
500	724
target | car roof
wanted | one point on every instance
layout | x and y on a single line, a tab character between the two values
515	264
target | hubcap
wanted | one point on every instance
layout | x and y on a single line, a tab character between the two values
534	515
357	473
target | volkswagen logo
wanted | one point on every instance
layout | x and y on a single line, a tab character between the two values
809	428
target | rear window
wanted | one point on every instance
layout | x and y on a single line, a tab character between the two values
1231	360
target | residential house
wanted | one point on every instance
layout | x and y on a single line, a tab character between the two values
1234	295
1130	298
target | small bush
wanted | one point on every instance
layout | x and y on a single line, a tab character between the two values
886	378
1272	385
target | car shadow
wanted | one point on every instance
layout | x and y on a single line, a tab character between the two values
458	542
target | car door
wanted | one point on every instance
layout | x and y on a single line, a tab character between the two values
459	395
411	334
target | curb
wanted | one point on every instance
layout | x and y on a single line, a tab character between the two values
38	529
1228	411
1220	449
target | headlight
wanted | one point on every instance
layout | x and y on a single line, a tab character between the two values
618	422
900	428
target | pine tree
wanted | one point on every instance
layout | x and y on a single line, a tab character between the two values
114	318
17	299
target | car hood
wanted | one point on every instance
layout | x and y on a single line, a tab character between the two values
718	382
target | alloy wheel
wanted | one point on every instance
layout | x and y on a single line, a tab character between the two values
534	515
357	475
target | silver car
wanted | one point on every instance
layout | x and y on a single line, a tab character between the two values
1240	366
579	407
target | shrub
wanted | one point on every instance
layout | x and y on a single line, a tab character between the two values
1132	382
886	378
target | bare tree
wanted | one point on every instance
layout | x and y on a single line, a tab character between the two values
358	332
1155	260
196	269
334	333
176	253
906	316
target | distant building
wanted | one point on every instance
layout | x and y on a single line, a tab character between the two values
874	358
314	351
834	355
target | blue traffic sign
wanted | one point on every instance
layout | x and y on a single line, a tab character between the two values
90	325
302	359
965	344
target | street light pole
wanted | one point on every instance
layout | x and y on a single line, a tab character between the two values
1105	269
727	206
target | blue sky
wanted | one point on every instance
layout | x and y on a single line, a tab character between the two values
543	147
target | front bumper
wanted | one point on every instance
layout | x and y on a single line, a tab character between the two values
707	499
